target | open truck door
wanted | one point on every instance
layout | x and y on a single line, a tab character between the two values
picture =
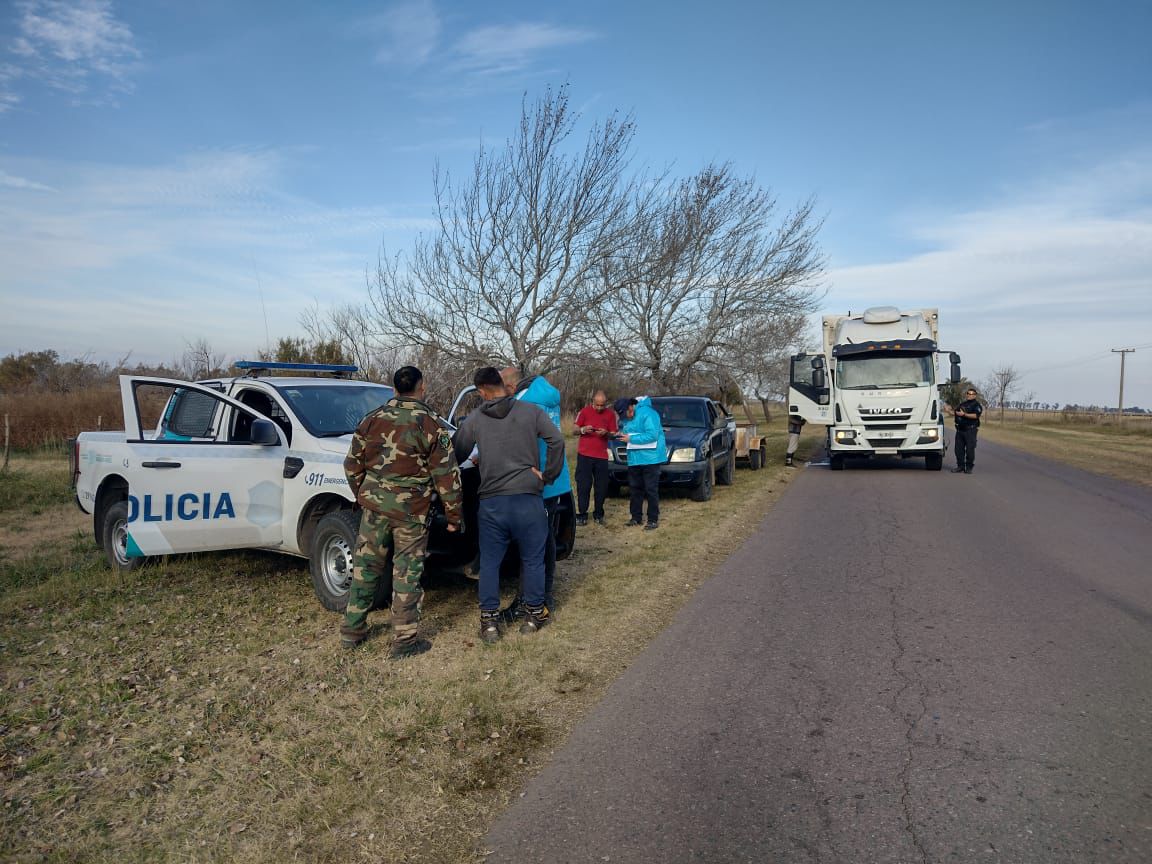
809	393
210	472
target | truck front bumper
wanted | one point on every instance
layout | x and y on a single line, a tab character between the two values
905	443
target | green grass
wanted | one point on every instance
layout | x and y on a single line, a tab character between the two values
28	491
200	709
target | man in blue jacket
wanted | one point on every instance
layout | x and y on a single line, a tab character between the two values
536	390
643	433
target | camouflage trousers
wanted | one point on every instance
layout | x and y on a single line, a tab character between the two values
409	541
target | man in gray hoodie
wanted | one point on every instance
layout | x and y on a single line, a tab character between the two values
507	432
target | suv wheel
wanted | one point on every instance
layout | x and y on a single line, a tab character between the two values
114	538
333	547
724	475
703	489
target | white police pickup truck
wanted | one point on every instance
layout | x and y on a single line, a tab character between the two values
253	461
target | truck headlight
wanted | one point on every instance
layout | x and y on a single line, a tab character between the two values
929	435
846	436
683	454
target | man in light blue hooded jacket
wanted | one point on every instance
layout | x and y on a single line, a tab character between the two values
643	432
538	391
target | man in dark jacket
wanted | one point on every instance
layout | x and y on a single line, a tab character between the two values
967	415
507	432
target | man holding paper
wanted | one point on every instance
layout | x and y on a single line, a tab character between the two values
643	433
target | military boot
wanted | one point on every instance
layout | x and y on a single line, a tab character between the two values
351	637
409	648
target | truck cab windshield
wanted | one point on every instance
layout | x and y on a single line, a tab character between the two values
882	371
331	410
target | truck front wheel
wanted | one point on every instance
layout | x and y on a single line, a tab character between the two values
835	462
934	461
114	538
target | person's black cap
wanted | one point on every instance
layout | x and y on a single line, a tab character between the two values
621	405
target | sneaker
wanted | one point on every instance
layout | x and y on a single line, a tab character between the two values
788	461
599	520
490	627
957	470
514	611
581	521
651	526
409	648
968	470
633	523
536	618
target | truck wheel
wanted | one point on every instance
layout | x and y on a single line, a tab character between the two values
724	475
836	463
754	459
613	489
114	538
330	563
703	490
934	461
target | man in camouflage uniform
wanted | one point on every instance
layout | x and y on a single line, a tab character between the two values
399	456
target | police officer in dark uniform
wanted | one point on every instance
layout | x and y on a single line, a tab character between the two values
967	415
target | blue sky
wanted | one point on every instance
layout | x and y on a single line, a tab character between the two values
165	166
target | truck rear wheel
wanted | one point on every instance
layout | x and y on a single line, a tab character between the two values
703	490
114	538
934	461
331	562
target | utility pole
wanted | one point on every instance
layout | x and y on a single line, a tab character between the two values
1120	411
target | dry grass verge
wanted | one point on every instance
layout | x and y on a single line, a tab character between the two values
202	710
1125	453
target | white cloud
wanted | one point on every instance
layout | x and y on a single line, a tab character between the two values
408	33
14	182
125	258
1059	273
507	48
69	46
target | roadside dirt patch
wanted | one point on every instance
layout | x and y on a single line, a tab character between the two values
56	526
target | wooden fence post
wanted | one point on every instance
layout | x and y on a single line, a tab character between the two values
7	439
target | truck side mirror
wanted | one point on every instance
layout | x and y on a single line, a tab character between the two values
819	379
817	362
954	359
264	433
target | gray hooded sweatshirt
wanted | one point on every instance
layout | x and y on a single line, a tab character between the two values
506	432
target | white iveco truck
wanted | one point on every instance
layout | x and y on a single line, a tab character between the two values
875	386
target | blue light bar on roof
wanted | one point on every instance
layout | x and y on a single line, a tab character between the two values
296	367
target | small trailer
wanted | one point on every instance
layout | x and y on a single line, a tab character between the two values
751	449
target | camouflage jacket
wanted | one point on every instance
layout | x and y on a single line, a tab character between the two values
399	455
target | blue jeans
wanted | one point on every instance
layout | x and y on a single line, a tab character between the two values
504	519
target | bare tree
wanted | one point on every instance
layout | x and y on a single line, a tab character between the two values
1003	381
710	265
200	361
355	330
513	270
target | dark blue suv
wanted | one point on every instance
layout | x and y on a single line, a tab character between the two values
700	435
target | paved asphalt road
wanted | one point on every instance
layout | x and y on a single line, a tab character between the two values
899	666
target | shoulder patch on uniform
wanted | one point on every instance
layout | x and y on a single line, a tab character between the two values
445	439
